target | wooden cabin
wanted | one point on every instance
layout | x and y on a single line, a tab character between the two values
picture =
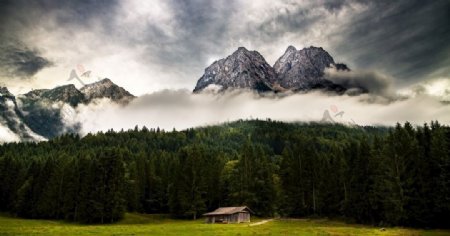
229	215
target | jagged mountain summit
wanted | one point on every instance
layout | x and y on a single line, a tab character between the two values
70	94
66	93
296	70
46	113
303	70
242	69
106	89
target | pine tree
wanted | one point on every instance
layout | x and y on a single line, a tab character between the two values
292	178
440	174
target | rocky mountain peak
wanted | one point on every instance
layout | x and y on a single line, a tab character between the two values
242	49
242	69
105	89
311	58
303	69
65	93
243	54
104	81
35	94
291	49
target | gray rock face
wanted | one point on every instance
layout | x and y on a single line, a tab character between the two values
296	70
242	69
35	94
71	95
302	69
66	93
106	89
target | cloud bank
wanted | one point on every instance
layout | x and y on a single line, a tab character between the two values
438	88
371	82
18	61
181	109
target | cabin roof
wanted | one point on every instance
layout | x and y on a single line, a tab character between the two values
228	210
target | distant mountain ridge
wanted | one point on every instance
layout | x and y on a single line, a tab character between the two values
45	113
70	94
106	89
295	70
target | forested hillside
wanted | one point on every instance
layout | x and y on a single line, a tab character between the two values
374	175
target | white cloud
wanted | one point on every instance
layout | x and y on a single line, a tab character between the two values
438	88
6	135
181	109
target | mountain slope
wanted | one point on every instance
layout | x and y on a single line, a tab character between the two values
66	94
304	69
242	69
105	89
12	126
52	112
48	111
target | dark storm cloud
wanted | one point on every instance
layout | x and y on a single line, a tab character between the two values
19	15
296	19
368	81
335	5
201	28
409	38
18	18
209	28
18	61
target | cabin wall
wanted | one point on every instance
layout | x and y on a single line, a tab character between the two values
233	218
244	217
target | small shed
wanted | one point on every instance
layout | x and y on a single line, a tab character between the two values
229	215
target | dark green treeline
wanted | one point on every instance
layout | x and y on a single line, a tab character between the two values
373	175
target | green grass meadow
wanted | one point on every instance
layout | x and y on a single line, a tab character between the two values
139	224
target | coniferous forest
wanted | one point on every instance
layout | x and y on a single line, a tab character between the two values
371	175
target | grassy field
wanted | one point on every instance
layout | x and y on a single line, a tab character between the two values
137	224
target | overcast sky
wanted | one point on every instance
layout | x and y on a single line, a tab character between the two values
147	46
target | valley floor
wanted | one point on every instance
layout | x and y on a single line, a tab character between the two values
139	224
